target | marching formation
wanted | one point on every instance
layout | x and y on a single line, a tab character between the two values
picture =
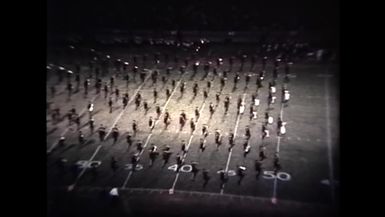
216	75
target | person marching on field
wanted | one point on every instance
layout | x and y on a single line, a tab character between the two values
208	85
194	169
218	138
153	154
61	142
231	61
139	146
259	82
125	100
202	144
182	88
90	108
145	106
279	123
182	69
236	79
264	60
205	94
262	74
225	75
112	82
138	98
154	77
241	173
239	102
98	85
110	104
135	70
183	147
168	93
272	88
115	133
195	89
164	80
134	127
73	110
206	177
262	154
205	131
241	108
197	114
246	148
206	69
151	123
231	141
114	164
92	125
173	83
227	103
77	121
287	72
251	113
286	97
219	62
127	79
166	155
248	77
223	177
223	82
129	140
253	61
168	71
142	76
215	72
212	110
243	58
116	94
258	168
195	68
217	95
102	132
81	137
270	100
134	161
105	88
265	132
69	89
155	93
158	111
182	122
53	91
192	125
179	162
77	80
247	133
85	85
166	119
275	73
69	117
277	164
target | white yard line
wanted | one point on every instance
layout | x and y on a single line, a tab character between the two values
187	147
231	150
274	197
329	140
149	136
109	131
